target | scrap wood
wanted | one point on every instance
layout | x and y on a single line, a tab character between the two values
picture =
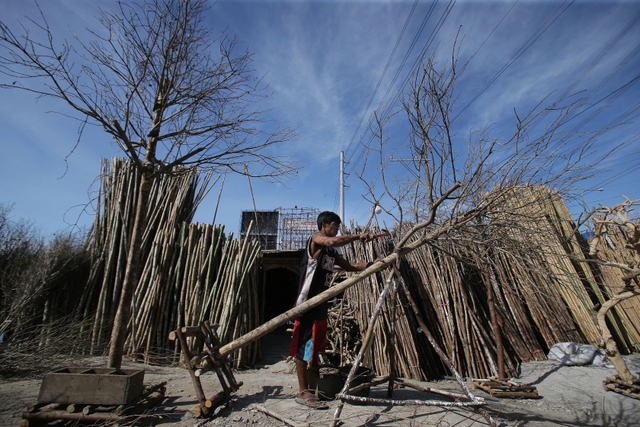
279	417
615	384
32	418
499	388
420	387
150	397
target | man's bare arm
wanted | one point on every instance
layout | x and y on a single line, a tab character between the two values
356	266
338	241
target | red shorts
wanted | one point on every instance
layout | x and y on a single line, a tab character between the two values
309	338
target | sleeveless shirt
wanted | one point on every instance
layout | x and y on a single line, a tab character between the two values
315	277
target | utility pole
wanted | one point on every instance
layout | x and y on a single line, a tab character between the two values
342	187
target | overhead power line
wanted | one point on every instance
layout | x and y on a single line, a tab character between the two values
539	32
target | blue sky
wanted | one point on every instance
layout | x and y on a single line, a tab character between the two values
329	65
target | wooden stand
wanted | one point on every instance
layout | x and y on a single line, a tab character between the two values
208	360
390	291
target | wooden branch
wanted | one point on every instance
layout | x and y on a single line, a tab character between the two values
607	339
419	387
64	415
432	214
279	417
409	402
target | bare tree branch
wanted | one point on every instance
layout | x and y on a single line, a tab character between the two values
167	91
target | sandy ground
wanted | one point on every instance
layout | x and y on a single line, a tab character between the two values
570	396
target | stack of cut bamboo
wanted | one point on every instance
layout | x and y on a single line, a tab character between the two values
544	294
172	201
545	219
217	279
190	273
363	297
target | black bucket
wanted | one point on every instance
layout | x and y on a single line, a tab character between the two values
363	375
327	380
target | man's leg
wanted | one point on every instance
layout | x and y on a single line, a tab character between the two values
301	350
313	376
303	382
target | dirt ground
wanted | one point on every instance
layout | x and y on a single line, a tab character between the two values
570	396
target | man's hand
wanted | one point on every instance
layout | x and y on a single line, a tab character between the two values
366	237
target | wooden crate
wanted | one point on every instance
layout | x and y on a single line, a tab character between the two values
94	386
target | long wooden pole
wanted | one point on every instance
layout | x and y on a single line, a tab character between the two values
333	291
274	323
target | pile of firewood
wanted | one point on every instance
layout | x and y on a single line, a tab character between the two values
344	337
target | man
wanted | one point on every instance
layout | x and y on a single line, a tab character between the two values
309	330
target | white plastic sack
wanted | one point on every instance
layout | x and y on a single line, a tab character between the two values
571	353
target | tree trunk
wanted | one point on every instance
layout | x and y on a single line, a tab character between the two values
121	320
607	340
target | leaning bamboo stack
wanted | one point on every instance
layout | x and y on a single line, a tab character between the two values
600	282
363	297
172	201
218	280
454	305
542	296
563	252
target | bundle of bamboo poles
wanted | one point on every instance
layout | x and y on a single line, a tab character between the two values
544	294
452	298
172	201
190	273
363	297
218	280
563	253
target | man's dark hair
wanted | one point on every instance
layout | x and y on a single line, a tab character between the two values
327	217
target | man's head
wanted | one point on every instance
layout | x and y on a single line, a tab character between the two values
328	217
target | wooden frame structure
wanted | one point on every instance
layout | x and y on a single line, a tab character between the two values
206	361
390	291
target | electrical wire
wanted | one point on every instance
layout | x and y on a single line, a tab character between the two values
539	32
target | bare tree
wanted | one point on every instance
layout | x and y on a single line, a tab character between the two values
471	190
608	221
451	192
448	179
167	91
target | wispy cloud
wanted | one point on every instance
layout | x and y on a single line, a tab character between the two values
325	60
